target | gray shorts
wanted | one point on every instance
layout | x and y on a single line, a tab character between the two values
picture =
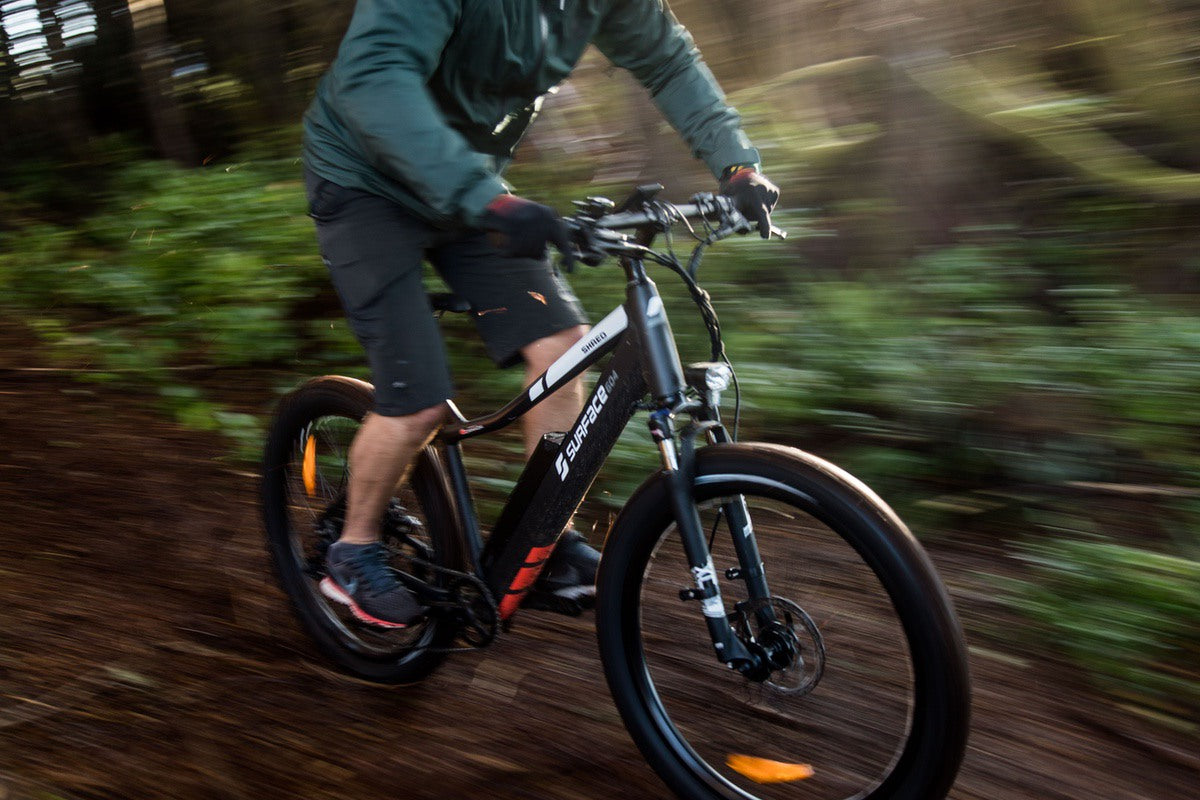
374	249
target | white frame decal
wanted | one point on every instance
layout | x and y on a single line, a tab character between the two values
608	328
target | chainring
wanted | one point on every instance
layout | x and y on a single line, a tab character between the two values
465	600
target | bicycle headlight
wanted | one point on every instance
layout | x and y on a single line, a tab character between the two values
709	378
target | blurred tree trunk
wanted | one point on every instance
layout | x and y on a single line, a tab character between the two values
259	36
152	52
1144	50
110	84
65	114
7	73
246	41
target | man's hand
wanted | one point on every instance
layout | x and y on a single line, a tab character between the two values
752	194
523	228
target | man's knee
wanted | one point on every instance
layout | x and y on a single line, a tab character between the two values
545	351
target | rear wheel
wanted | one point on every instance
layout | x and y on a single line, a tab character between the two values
868	694
304	499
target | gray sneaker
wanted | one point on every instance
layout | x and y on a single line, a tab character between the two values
359	578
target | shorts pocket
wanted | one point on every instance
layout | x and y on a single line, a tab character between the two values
325	198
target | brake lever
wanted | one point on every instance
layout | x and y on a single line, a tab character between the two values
726	231
736	222
743	226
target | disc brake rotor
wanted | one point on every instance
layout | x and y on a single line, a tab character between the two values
792	631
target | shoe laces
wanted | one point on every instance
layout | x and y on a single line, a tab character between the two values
370	564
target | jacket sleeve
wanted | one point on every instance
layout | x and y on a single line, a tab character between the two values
390	50
644	37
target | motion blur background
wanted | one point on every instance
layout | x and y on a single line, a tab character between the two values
987	307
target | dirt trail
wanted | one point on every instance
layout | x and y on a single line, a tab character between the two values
144	653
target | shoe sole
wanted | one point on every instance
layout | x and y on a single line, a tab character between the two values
575	592
580	598
331	590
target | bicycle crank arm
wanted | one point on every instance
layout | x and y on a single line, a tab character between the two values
425	593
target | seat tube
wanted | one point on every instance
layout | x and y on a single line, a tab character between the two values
452	454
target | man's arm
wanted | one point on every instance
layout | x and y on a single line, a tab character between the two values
644	37
391	49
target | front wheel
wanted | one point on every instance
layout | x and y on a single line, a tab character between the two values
868	693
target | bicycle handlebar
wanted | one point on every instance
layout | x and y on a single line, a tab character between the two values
712	207
595	228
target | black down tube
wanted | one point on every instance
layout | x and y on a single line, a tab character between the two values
554	484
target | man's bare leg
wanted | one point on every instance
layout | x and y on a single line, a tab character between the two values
559	410
385	447
357	572
381	455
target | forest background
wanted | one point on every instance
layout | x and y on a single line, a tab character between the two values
986	308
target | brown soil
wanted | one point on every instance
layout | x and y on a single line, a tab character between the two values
146	653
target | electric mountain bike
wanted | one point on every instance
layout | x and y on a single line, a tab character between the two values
768	627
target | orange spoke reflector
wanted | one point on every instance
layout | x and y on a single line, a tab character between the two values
762	770
309	471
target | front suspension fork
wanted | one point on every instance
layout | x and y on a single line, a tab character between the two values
679	471
750	570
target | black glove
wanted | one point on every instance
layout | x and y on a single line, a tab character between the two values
752	194
524	227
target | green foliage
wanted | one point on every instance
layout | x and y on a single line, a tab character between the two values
178	267
45	187
1130	616
208	260
984	362
958	370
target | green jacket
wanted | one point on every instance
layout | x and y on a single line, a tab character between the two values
427	99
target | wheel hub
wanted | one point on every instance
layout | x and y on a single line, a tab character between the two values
788	650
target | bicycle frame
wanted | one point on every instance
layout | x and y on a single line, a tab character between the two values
550	489
548	492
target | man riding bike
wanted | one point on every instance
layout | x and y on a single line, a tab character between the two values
404	145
